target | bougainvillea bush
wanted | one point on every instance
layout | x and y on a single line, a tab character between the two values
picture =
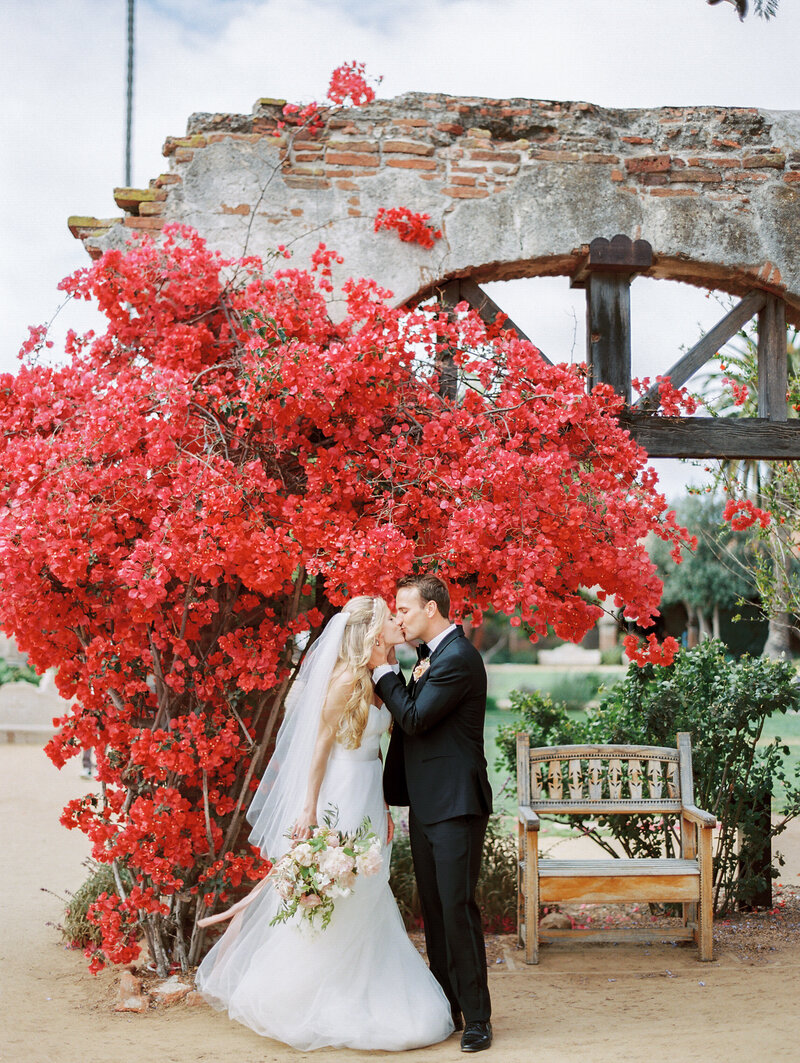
215	474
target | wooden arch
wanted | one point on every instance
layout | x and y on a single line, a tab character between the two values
605	270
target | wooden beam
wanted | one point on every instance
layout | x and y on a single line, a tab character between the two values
605	272
465	289
487	307
608	330
772	360
714	437
622	933
620	254
707	346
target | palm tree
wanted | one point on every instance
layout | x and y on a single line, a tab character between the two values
733	390
712	579
765	8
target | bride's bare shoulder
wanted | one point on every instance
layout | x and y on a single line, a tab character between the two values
339	690
342	679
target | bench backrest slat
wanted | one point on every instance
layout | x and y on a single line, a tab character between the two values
604	779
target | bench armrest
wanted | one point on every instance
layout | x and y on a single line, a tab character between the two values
698	816
527	816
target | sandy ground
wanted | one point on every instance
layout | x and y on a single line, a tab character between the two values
598	1003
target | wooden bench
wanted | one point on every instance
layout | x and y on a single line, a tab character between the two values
590	781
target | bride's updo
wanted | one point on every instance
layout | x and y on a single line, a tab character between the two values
365	619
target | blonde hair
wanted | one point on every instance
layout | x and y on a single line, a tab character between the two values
365	619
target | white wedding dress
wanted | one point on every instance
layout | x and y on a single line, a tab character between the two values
359	983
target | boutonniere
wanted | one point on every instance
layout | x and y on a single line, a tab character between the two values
421	669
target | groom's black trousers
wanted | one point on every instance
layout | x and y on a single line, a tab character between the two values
447	859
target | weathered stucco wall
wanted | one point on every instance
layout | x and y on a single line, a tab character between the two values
518	187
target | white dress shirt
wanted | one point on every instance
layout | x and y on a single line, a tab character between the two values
434	642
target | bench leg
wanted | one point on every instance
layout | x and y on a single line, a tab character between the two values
520	884
689	852
531	899
705	921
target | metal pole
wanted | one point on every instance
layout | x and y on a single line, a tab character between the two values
129	115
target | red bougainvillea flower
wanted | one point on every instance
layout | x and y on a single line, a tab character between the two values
742	513
650	651
349	83
410	227
348	87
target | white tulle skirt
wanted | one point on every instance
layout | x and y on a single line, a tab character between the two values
359	983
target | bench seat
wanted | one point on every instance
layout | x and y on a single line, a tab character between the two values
618	881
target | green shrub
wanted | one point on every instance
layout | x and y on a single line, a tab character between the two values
497	885
611	656
547	722
724	705
402	880
573	689
14	673
76	928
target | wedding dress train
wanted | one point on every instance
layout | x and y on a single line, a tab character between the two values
359	983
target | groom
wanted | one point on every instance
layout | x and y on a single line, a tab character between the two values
435	764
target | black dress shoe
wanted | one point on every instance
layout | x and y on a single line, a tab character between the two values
476	1036
458	1019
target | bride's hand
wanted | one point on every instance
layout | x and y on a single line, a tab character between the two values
303	825
379	654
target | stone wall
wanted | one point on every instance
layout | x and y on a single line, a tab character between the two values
518	187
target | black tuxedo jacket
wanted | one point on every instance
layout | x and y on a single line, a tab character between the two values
435	762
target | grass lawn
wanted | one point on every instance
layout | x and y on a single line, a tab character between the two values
503	678
788	729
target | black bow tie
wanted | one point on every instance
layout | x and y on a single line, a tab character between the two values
422	651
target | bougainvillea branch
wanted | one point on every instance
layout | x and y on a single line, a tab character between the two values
215	474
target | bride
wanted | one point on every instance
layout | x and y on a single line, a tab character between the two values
359	983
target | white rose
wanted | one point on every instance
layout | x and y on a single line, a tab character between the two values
303	854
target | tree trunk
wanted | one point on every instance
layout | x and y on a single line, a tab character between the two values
778	642
691	626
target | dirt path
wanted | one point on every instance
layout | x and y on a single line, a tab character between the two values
600	1003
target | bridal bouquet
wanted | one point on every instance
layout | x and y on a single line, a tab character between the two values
314	872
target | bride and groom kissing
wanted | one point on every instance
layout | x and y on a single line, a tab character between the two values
360	983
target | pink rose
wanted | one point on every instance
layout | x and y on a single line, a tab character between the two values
285	889
310	900
348	880
335	863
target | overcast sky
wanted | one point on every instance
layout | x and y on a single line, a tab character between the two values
63	82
